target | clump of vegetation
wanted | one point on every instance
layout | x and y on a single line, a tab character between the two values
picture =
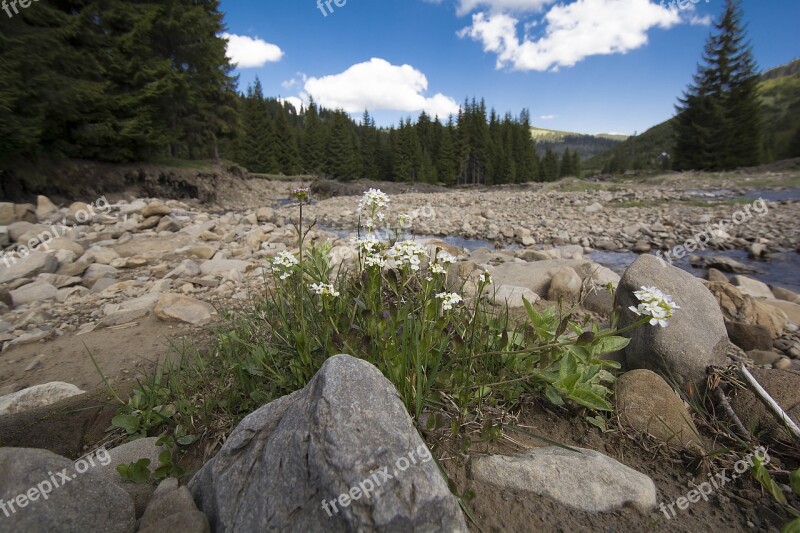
391	303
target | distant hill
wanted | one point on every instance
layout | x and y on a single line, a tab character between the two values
586	145
780	104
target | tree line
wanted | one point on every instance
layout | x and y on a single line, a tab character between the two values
147	80
473	147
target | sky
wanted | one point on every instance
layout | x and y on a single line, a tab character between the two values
589	66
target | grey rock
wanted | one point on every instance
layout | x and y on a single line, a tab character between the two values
156	209
511	296
37	396
128	453
696	335
764	357
583	479
566	284
86	503
27	267
96	271
318	443
223	266
33	292
534	276
5	238
752	287
785	294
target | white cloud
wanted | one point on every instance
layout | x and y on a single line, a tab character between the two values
464	7
297	102
299	79
379	85
548	117
572	32
249	52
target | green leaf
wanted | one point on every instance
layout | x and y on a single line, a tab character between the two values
791	527
589	399
586	338
794	481
598	422
553	396
129	423
762	476
137	472
609	345
186	440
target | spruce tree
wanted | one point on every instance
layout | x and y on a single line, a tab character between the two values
719	122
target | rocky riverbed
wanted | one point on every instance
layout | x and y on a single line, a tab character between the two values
122	278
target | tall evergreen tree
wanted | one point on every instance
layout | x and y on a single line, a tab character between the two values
719	122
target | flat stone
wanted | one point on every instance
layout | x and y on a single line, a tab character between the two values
583	479
37	396
752	287
223	266
511	296
27	267
179	307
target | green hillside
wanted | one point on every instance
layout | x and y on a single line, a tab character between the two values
780	104
584	144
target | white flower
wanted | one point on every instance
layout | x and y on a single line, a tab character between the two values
373	198
324	289
374	261
655	304
368	245
283	264
446	258
436	268
485	277
407	253
449	299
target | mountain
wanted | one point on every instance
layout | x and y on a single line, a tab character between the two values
779	91
586	145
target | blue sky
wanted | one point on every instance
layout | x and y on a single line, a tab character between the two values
582	65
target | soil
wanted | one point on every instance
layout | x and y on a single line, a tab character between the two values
737	506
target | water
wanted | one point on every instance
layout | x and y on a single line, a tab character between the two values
782	270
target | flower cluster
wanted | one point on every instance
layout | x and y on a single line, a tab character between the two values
655	304
485	277
370	207
324	289
283	264
445	258
301	194
449	299
407	253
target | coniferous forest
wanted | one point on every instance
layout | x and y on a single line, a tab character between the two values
126	81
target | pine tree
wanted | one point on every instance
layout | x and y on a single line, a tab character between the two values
548	171
312	146
565	169
719	123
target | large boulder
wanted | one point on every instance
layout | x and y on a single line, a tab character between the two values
7	214
784	387
696	335
582	479
566	284
33	292
46	492
185	309
341	454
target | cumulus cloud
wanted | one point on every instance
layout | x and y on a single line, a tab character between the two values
378	85
249	52
571	33
295	101
464	7
548	117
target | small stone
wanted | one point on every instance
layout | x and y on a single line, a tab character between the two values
37	396
179	307
156	209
